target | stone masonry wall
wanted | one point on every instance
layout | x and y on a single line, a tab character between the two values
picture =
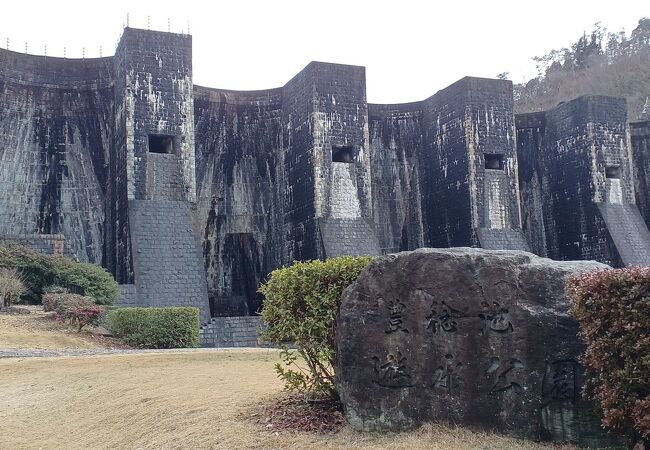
343	191
443	166
55	137
156	72
153	96
257	178
640	140
396	139
299	174
240	193
563	155
490	131
157	141
432	187
49	244
166	256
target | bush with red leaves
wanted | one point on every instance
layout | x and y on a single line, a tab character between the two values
51	295
83	315
75	309
613	309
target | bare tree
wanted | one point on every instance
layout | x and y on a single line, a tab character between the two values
12	286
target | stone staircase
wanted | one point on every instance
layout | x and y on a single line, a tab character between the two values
163	180
629	232
502	239
348	237
242	331
167	257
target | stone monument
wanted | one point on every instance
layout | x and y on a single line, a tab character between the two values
467	336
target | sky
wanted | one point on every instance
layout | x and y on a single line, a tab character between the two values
411	49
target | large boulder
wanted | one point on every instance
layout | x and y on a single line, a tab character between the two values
469	336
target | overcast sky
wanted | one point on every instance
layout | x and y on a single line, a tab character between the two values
411	49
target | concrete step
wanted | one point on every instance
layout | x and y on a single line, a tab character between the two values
241	331
502	239
348	237
629	232
167	255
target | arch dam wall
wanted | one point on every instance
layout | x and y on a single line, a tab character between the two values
191	195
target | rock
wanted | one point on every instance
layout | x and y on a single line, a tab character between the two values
469	336
17	310
102	331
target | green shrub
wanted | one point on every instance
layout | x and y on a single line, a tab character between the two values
173	327
36	267
613	309
301	303
42	270
93	280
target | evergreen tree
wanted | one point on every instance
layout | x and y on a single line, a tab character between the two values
601	63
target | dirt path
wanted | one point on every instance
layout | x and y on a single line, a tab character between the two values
41	353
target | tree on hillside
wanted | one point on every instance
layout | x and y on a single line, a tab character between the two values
600	62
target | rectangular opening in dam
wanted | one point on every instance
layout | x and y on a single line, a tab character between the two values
613	172
342	153
161	143
494	161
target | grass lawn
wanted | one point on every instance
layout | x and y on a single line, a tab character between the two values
39	330
173	400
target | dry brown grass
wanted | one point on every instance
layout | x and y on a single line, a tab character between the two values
38	330
175	400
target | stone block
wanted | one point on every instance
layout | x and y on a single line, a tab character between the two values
467	336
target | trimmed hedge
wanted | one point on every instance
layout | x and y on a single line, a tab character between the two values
172	327
41	271
613	309
301	303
